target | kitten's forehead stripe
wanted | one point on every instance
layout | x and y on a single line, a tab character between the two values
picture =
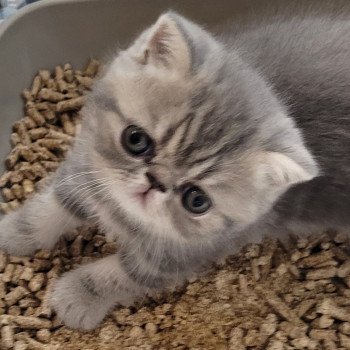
198	140
199	99
205	158
171	132
190	119
208	169
207	172
108	103
206	126
226	149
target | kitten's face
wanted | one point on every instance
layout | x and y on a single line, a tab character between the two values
187	137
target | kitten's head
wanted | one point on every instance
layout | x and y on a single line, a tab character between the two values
191	141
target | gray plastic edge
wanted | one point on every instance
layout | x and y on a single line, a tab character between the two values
24	11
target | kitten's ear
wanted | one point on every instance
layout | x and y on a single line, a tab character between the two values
164	44
279	172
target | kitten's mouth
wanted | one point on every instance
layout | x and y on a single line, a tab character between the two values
144	196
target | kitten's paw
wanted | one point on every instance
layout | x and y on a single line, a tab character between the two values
14	239
77	303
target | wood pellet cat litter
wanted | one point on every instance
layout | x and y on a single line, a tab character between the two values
261	298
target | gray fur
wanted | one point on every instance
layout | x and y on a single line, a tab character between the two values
257	117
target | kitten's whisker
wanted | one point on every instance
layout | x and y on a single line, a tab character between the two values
79	139
92	186
91	192
88	185
76	175
92	182
88	195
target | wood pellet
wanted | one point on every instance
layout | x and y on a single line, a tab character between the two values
40	141
43	136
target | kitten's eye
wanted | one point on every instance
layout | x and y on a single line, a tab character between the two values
195	200
136	141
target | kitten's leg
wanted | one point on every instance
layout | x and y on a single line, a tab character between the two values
36	225
83	297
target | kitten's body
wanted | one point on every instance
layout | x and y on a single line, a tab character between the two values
303	58
221	117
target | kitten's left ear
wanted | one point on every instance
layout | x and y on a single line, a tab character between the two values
164	44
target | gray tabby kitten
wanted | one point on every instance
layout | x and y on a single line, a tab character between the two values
192	146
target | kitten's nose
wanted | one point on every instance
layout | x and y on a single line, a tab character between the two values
155	183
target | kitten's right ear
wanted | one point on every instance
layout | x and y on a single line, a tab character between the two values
163	45
278	171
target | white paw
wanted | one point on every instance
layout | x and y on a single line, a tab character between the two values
76	302
14	239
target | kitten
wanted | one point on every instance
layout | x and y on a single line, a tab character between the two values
192	146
